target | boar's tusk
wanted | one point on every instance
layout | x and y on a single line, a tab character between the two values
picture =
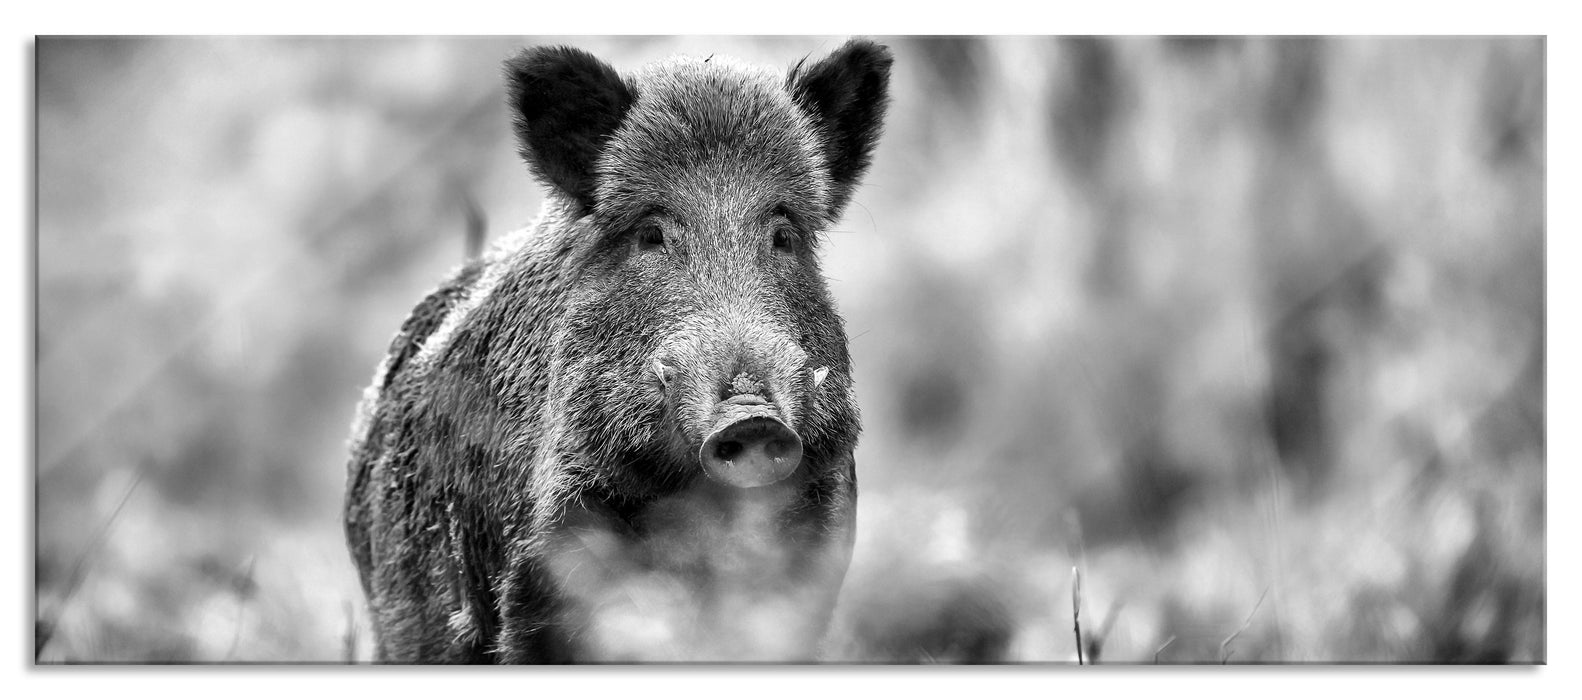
663	372
819	375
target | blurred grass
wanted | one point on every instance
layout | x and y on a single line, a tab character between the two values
1202	318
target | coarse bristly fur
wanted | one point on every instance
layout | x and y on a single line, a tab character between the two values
525	481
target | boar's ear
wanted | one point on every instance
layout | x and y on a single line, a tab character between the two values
565	104
846	93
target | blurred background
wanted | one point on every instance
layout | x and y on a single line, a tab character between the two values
1246	333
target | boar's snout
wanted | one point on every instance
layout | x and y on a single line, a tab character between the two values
749	445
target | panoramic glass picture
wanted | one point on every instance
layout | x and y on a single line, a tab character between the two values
790	350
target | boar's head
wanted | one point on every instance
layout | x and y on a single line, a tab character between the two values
699	337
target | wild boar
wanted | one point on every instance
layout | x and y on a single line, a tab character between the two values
626	432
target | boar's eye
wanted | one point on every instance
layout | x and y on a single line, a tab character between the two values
785	234
650	236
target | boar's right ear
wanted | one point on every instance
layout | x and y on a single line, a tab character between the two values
846	94
565	104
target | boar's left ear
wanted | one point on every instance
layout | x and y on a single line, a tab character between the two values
565	104
846	94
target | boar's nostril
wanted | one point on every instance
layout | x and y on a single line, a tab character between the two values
729	450
778	449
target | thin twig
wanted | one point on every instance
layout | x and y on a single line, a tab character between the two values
349	638
1076	609
79	571
241	608
477	226
1096	640
1160	650
1224	656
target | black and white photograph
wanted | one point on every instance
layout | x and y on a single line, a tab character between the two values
745	350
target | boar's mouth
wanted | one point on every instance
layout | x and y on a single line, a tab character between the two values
748	445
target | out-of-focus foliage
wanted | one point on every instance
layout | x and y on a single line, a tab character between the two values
1249	331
